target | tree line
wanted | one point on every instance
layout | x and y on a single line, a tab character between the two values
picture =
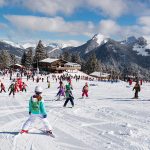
7	59
88	66
29	57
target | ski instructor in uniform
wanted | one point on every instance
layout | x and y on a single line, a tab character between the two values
37	111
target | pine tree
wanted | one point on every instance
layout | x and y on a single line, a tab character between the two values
76	58
92	64
23	59
13	59
29	58
40	52
66	56
5	58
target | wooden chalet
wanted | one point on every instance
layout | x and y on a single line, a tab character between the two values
56	65
16	66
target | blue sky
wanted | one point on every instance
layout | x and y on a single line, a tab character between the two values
73	21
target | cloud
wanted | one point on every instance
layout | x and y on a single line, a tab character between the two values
2	25
138	7
56	24
52	7
2	2
109	27
112	29
144	23
144	20
109	7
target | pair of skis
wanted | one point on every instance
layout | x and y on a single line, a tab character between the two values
42	130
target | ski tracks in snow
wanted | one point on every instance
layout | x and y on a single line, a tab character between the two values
96	123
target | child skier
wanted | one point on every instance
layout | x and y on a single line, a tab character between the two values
61	91
37	111
49	84
16	86
2	88
24	87
69	96
12	89
137	89
85	90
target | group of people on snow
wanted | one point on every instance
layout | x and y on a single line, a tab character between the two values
37	108
15	86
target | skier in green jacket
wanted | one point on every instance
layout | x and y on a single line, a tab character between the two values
69	96
37	111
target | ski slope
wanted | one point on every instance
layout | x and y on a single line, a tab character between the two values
108	120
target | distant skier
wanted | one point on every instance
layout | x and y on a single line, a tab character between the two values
37	111
85	90
24	87
130	82
37	79
42	79
12	89
19	81
141	82
49	84
2	88
61	91
69	81
69	96
16	86
47	79
137	89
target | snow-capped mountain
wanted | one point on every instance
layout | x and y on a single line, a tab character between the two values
57	45
139	45
100	39
28	45
130	40
96	41
11	47
14	44
130	52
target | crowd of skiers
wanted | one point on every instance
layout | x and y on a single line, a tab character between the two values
36	104
16	85
37	109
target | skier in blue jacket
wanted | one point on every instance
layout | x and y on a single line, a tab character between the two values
37	111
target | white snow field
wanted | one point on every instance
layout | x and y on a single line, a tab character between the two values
108	120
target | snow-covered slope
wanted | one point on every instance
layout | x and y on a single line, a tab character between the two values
108	120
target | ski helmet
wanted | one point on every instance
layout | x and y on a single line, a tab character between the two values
38	89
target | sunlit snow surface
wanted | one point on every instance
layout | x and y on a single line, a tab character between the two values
108	120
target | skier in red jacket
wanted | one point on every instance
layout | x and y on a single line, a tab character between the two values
2	88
